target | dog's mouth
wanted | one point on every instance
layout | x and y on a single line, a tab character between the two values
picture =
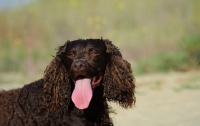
94	80
82	93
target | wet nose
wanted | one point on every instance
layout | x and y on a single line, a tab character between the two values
78	65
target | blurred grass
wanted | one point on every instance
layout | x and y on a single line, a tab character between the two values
156	35
185	58
187	86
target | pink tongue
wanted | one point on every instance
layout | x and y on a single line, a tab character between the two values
82	93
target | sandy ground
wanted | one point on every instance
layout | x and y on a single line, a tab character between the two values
164	100
170	99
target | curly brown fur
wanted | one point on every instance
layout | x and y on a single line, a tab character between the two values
47	102
118	78
56	83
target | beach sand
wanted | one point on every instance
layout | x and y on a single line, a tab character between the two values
171	99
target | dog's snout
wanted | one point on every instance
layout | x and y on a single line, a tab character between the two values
78	65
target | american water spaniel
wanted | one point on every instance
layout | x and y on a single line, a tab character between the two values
75	90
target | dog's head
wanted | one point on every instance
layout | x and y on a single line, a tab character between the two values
85	63
81	66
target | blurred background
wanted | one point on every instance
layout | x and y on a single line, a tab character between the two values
160	38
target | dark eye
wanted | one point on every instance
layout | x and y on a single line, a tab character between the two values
94	53
71	55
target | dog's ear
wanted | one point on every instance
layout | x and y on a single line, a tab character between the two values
57	88
119	82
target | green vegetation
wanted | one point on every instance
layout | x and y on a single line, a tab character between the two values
191	46
155	35
163	61
185	58
11	60
188	86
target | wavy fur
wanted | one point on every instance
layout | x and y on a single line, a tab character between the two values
48	101
119	83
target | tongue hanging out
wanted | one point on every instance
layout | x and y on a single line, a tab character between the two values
82	93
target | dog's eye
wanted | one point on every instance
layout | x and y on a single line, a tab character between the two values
71	55
94	53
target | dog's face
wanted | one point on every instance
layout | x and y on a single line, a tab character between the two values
86	62
79	67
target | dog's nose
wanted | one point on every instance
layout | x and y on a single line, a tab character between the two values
78	65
